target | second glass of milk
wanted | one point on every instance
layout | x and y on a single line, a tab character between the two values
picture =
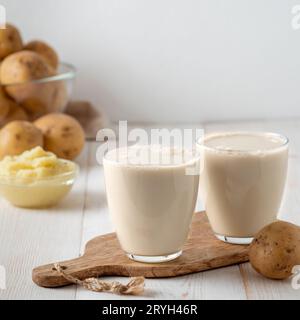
151	192
242	181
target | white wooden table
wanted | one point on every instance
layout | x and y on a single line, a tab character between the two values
30	238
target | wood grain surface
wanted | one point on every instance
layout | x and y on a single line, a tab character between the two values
104	257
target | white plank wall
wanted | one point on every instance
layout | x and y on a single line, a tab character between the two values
30	238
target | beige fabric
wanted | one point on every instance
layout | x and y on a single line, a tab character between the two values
134	287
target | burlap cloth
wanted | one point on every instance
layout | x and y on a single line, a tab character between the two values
91	118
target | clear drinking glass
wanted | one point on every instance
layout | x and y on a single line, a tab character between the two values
242	180
151	204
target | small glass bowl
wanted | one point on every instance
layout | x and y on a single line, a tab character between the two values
37	193
45	95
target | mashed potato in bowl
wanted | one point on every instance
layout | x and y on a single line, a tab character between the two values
36	178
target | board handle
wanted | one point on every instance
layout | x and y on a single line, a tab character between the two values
47	275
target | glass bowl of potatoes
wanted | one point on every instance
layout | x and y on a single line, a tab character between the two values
33	81
29	100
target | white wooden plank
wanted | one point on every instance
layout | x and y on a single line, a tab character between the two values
260	288
29	238
218	284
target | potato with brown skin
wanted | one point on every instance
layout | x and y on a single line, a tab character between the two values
59	96
4	105
0	72
25	66
19	136
275	250
10	110
10	41
15	113
45	50
40	99
63	135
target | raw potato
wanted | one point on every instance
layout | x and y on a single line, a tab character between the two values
10	110
59	97
36	98
15	113
0	74
42	98
19	136
4	105
22	67
275	250
22	96
63	135
10	41
45	51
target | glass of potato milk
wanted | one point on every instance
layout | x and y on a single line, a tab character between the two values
242	181
151	192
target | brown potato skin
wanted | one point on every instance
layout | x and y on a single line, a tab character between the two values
275	250
39	99
10	110
24	66
36	98
15	113
59	96
4	104
19	136
45	50
10	41
63	135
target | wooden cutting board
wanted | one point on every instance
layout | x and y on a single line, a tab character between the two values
104	257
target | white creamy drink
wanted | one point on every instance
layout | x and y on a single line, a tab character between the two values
242	182
151	204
